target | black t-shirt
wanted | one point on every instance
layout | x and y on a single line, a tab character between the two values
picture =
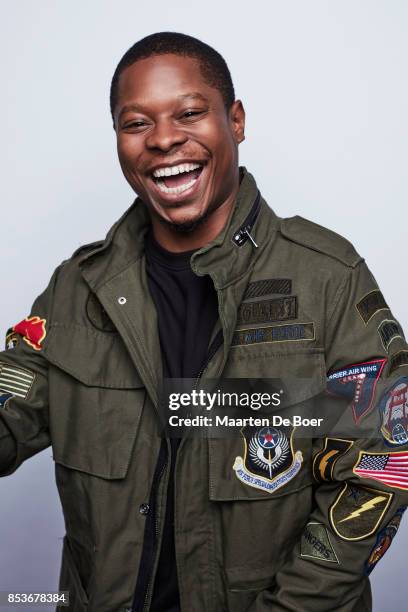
187	310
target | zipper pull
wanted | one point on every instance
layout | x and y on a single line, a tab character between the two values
250	237
242	234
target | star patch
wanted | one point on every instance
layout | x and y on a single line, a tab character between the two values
325	460
269	461
394	413
384	540
357	511
370	304
389	468
32	329
357	382
315	543
14	380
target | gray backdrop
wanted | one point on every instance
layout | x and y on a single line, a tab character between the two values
324	84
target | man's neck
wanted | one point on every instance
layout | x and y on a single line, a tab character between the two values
178	241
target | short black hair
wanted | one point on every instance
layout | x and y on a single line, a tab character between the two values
212	65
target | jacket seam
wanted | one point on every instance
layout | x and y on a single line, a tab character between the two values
338	296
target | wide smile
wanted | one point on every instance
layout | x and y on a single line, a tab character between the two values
177	182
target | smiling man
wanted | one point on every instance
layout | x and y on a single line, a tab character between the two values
198	279
177	135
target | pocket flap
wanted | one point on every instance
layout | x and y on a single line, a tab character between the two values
95	358
96	399
244	578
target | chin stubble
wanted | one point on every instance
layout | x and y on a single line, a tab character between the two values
185	227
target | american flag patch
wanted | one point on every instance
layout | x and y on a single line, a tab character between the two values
15	380
389	468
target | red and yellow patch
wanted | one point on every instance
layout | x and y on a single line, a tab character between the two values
32	329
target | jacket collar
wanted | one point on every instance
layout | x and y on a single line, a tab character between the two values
225	259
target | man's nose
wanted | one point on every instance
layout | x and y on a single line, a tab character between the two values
165	136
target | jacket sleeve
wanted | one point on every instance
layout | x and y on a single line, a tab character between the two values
23	386
362	478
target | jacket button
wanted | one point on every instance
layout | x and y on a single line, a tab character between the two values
144	509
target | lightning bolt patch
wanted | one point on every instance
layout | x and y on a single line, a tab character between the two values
357	511
366	506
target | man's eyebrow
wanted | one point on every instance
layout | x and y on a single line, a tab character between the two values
194	94
139	109
130	107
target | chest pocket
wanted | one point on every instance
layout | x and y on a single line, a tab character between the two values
260	480
96	399
261	463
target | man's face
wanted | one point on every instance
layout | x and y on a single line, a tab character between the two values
177	143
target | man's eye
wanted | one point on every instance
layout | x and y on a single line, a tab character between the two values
190	114
134	124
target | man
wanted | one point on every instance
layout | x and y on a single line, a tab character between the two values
200	278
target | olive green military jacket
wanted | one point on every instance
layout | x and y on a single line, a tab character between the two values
293	524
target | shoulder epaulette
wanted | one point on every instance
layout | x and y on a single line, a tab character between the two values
320	239
84	248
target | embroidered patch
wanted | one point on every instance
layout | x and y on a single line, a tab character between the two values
325	460
389	330
98	315
315	543
384	540
274	333
15	380
32	329
357	511
12	339
371	303
398	360
282	286
3	398
394	413
357	382
264	311
388	468
269	460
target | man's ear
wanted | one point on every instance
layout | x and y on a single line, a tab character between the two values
237	118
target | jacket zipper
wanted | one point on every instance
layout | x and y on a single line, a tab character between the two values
143	583
214	346
242	234
156	531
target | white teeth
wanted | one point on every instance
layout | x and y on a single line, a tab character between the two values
179	189
170	170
